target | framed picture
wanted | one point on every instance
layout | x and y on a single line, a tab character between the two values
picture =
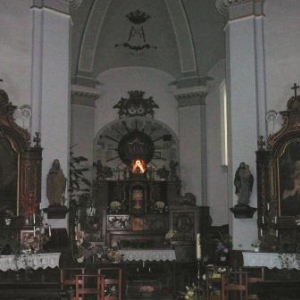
29	239
289	179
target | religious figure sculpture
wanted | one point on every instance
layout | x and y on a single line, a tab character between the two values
56	185
243	182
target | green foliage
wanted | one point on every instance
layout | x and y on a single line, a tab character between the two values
102	172
78	183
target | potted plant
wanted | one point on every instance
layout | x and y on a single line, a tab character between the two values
256	245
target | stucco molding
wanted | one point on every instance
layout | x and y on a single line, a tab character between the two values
191	96
234	9
86	96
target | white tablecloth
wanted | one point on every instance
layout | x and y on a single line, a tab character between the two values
150	255
33	261
271	260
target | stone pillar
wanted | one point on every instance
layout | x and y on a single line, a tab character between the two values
192	141
51	85
245	80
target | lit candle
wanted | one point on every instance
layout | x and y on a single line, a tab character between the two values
198	246
33	218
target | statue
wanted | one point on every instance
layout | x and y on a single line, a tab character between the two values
243	182
56	185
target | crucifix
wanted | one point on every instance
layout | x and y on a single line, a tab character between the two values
295	87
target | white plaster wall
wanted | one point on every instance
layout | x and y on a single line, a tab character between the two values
282	50
116	84
15	50
217	195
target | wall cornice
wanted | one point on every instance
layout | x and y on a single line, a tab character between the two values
234	9
85	96
191	96
62	6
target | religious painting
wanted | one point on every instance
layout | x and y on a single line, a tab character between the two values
184	222
8	178
289	179
137	224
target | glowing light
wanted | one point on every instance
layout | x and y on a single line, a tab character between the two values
138	166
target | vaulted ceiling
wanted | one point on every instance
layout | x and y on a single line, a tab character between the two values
181	37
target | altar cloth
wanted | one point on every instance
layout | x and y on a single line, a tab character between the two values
272	260
148	255
26	261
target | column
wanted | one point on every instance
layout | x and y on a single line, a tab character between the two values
245	79
51	85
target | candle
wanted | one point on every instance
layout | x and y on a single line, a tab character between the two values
261	232
198	246
275	220
33	230
276	233
33	218
268	206
49	230
263	220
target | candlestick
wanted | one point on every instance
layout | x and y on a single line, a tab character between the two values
198	246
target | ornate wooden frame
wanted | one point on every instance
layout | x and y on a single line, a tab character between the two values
29	159
277	225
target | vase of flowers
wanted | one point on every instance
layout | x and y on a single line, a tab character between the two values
146	291
171	235
256	245
115	207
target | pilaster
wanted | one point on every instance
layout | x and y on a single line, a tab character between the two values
192	146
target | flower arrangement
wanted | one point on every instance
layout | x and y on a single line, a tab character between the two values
147	289
223	244
115	206
159	206
113	255
171	234
256	245
193	293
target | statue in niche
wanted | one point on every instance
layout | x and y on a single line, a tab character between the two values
56	185
243	182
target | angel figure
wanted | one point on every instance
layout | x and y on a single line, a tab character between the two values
243	182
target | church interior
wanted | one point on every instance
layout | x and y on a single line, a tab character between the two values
150	149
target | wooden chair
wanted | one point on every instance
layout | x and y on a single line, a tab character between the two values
112	282
256	275
68	281
234	285
88	284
